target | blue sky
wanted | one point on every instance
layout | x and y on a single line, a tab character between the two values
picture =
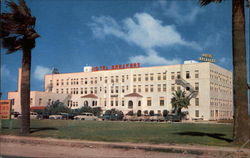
107	32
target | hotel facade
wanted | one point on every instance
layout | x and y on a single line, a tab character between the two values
134	88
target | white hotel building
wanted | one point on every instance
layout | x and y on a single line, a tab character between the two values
142	88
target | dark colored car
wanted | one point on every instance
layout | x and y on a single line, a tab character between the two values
67	116
111	117
173	118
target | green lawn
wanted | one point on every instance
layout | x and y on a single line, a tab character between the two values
175	133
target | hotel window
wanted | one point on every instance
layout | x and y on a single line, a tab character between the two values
116	102
86	81
81	81
152	77
95	80
31	101
57	90
130	104
106	80
127	77
146	77
139	88
40	101
196	86
139	77
123	102
188	86
161	101
187	74
67	91
95	90
123	89
112	103
134	88
116	89
116	79
77	81
81	90
91	90
139	103
159	76
112	89
100	89
62	82
151	88
149	101
76	90
123	78
91	80
197	101
159	87
164	75
164	87
62	91
196	73
71	81
178	75
172	75
112	79
105	102
49	101
134	78
146	88
172	87
127	88
100	78
196	113
86	91
57	82
67	81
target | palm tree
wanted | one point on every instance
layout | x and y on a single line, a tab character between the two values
241	127
179	101
17	33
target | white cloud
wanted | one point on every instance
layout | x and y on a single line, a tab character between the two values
224	60
152	58
143	30
5	72
40	71
181	13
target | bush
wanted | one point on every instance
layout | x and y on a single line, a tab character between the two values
130	113
114	112
139	113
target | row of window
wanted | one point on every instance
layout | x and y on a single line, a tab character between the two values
220	77
117	79
221	114
221	89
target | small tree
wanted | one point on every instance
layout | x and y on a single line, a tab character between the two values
56	108
151	113
165	113
179	101
119	114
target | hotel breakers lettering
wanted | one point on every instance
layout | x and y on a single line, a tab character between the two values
117	67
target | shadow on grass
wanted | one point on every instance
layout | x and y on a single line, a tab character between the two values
33	130
212	135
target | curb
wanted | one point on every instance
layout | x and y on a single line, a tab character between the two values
185	149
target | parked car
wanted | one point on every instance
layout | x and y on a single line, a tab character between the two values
144	118
173	118
112	117
67	116
86	116
33	115
157	117
55	117
14	115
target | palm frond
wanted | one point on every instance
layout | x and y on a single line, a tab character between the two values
206	2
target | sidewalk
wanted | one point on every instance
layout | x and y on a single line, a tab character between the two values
212	151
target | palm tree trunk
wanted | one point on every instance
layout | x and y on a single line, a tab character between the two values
241	128
25	91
